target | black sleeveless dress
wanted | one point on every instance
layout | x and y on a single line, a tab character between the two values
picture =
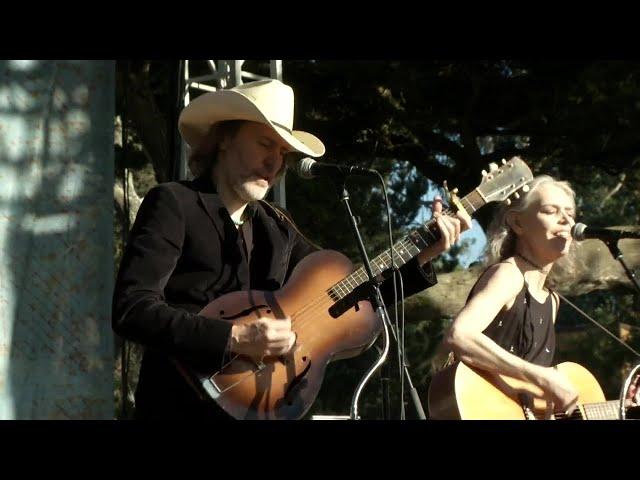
526	329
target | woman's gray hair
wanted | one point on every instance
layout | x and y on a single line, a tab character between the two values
501	239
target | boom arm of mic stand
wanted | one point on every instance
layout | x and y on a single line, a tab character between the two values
617	254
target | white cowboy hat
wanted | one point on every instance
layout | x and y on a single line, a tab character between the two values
265	101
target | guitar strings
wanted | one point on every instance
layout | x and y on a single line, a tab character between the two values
405	244
306	314
323	301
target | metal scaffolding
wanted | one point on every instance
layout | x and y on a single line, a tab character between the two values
222	74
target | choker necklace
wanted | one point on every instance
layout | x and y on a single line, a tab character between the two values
531	263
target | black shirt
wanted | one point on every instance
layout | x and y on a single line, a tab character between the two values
526	329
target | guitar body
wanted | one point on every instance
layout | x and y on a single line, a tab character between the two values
285	387
460	392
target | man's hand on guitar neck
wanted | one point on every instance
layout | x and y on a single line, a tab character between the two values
262	337
450	230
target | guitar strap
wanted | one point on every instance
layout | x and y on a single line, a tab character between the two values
284	217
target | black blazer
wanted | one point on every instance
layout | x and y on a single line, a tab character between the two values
183	252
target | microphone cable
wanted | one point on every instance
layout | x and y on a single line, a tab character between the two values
399	330
615	337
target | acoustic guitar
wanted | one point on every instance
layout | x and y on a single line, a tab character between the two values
322	298
461	392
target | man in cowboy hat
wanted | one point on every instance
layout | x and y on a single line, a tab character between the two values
194	241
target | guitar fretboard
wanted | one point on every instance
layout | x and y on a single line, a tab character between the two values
601	411
403	251
609	410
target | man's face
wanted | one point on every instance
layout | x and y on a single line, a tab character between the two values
249	161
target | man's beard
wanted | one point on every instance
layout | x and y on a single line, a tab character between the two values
250	192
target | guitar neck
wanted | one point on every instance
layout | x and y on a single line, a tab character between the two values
404	250
609	410
601	410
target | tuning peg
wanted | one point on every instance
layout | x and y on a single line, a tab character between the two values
484	173
493	167
508	201
455	191
504	161
525	188
516	195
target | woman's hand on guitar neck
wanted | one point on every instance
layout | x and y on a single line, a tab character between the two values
450	230
262	337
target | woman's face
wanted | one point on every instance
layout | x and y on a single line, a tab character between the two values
545	226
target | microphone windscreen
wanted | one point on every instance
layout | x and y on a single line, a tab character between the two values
577	232
303	167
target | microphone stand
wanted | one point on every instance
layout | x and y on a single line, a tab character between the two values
372	293
617	254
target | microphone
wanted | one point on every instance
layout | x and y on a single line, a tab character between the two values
581	232
309	168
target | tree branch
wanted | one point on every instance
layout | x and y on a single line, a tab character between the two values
614	191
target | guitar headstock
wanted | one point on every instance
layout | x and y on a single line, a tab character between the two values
502	182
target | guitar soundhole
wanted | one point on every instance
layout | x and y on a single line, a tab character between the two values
268	311
304	359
